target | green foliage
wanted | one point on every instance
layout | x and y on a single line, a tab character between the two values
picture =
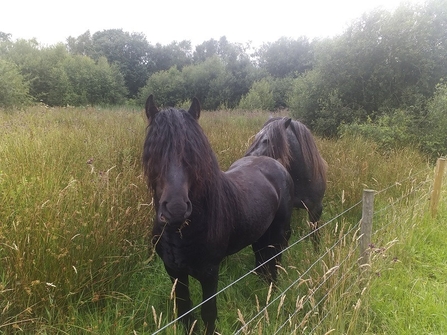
13	87
402	128
432	127
318	106
58	78
239	72
94	83
388	131
383	62
127	51
167	86
212	82
259	97
163	57
286	57
202	80
281	88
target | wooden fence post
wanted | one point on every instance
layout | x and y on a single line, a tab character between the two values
366	225
436	193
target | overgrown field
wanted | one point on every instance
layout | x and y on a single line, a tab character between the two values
75	220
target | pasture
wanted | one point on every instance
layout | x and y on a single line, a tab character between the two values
76	216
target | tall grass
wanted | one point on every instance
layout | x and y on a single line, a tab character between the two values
75	218
74	212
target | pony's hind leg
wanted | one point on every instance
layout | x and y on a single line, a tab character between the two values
267	252
270	246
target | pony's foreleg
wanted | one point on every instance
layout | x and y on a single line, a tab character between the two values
314	211
182	298
209	308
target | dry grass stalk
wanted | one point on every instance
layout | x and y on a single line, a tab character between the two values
281	303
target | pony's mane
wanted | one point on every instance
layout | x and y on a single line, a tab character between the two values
309	150
175	137
308	147
278	147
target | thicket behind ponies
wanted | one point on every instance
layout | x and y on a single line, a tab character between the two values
204	214
99	224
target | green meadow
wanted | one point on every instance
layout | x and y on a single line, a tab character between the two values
76	216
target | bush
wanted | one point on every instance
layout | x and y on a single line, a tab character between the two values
13	87
399	128
388	131
434	124
260	97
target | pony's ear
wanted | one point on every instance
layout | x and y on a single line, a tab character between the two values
151	108
194	110
287	122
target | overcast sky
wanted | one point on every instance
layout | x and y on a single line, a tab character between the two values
164	21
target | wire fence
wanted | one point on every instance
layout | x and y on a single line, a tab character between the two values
333	278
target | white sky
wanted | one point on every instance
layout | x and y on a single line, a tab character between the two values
164	21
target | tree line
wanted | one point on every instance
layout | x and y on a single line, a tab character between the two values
384	76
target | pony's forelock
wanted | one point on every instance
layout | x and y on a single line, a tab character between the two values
174	136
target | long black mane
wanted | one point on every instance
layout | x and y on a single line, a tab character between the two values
175	137
280	147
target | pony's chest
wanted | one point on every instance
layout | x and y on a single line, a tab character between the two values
180	249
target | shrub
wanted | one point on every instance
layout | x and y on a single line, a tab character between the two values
260	97
13	87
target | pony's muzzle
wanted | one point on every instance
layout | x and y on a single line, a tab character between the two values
175	211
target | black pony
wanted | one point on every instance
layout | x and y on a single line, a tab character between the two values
292	143
204	214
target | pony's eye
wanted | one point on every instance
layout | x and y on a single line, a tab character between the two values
265	141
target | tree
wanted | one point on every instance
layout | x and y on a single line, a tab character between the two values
384	61
127	51
200	79
286	57
81	45
168	87
4	37
163	57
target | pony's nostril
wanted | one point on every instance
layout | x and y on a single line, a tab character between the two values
188	209
163	209
173	211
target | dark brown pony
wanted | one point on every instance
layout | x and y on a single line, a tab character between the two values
292	143
204	214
